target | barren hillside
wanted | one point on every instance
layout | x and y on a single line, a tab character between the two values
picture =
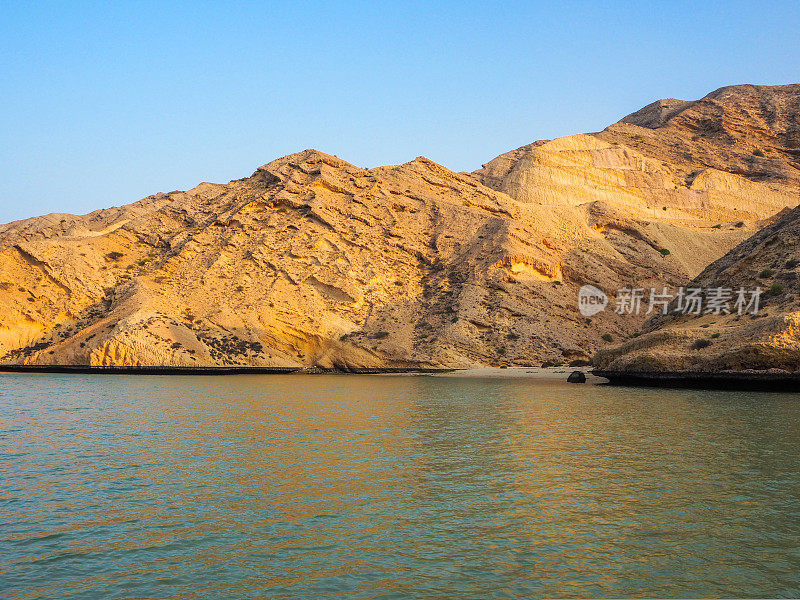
312	261
747	339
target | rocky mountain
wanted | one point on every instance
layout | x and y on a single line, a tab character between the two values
735	154
312	261
749	337
747	130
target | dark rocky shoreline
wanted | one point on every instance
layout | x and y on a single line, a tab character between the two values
772	381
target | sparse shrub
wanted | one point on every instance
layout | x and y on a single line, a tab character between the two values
663	208
379	335
607	337
454	320
717	226
776	289
766	273
715	335
501	351
792	263
114	256
512	336
21	289
239	288
664	252
758	152
700	344
6	285
739	224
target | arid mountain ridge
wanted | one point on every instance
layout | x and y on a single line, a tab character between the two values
314	262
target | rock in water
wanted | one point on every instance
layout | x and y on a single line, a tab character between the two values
576	377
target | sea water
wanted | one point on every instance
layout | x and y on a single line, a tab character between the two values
366	486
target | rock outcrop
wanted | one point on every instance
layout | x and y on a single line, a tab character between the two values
314	262
747	338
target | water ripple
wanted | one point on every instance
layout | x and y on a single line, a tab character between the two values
392	487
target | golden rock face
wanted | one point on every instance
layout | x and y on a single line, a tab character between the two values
313	261
754	340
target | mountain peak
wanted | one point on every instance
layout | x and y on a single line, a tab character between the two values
308	156
657	113
731	99
748	130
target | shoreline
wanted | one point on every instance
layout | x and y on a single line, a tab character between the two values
538	373
213	370
724	380
554	374
778	381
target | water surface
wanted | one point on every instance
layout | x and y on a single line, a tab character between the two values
296	486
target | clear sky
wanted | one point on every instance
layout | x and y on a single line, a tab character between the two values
108	102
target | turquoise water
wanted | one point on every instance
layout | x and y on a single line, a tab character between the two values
291	486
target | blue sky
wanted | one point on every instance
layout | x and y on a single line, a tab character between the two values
108	102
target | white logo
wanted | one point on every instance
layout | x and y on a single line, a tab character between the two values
591	300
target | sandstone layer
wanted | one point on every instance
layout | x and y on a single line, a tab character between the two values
314	262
